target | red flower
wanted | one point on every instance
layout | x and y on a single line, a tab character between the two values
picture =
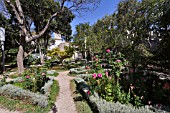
88	92
87	67
166	86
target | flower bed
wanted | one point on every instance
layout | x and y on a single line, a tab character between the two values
34	89
124	85
102	106
15	92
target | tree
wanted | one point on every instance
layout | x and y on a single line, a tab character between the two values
82	30
11	32
56	53
22	21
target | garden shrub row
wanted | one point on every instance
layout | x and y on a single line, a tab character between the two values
15	92
80	70
102	106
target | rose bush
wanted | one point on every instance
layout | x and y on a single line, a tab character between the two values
107	83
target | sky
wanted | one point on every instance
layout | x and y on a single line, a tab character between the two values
106	7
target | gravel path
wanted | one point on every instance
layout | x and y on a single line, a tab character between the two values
65	102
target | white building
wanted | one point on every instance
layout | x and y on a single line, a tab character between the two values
58	40
60	43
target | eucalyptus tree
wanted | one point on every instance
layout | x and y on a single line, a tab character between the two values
22	20
80	37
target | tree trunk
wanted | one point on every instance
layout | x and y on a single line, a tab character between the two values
41	55
20	58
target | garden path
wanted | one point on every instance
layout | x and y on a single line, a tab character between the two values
65	102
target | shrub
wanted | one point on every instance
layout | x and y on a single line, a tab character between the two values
21	94
80	70
46	88
102	106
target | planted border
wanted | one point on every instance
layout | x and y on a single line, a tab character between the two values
13	104
15	92
102	106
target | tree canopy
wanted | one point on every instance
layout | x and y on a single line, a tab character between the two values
139	29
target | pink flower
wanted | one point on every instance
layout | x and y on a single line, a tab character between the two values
87	67
131	70
43	74
96	60
94	75
100	75
108	50
27	76
88	92
159	106
132	87
118	60
107	74
149	102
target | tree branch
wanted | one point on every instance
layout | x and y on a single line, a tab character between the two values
14	10
18	4
27	54
34	37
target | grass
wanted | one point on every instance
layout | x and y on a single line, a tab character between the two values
81	104
73	75
15	76
19	105
58	68
55	74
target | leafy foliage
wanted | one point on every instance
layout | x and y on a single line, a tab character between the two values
138	29
56	53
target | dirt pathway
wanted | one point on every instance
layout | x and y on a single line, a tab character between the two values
65	102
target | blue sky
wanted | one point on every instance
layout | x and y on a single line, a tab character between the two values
106	7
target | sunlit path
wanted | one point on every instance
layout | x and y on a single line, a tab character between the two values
64	103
